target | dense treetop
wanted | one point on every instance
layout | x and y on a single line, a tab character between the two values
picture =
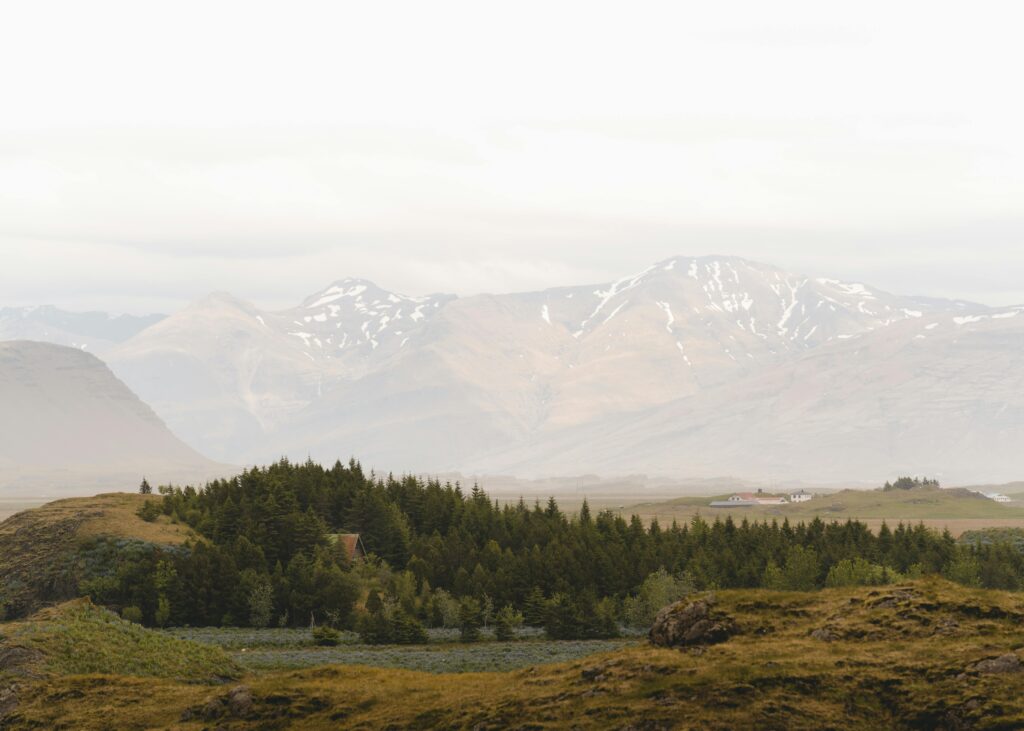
267	554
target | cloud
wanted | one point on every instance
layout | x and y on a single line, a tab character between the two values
147	156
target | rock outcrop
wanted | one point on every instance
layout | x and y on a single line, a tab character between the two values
686	624
1008	663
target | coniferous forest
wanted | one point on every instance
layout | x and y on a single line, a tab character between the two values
441	556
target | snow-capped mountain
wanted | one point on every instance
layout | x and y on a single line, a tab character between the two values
554	382
356	316
940	394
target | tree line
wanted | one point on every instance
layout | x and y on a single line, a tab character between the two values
444	556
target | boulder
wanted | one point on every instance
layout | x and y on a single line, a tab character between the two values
825	634
685	624
240	701
1008	663
8	701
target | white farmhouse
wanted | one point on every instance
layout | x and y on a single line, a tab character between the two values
800	496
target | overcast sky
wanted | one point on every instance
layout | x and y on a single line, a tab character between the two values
153	152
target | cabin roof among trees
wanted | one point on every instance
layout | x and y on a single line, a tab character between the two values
352	544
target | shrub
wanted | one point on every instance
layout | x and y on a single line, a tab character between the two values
132	614
580	618
149	511
860	572
470	619
505	623
326	636
396	627
535	608
964	569
261	605
658	590
407	630
444	609
800	572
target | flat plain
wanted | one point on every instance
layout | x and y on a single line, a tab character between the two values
957	510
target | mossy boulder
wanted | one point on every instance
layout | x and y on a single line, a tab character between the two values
686	624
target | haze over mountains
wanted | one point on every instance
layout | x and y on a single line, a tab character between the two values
67	422
96	332
695	367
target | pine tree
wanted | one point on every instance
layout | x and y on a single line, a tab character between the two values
144	487
470	619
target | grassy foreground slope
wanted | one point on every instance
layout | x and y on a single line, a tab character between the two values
78	637
39	548
921	655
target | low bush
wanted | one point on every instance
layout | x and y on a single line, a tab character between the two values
326	636
395	627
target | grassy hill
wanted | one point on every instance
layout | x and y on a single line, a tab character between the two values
913	656
956	508
77	638
41	548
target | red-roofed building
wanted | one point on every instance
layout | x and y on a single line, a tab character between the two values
351	544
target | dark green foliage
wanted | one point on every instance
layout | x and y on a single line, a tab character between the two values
145	488
991	536
265	556
909	483
150	511
534	608
326	636
580	618
471	619
505	623
391	626
132	614
799	573
408	630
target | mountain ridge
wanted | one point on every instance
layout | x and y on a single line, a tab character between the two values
491	382
69	423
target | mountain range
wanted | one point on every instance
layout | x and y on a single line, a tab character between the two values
694	367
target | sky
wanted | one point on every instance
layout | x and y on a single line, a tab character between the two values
153	152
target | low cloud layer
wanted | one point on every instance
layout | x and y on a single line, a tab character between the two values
145	161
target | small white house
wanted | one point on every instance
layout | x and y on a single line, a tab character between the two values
738	500
997	496
800	496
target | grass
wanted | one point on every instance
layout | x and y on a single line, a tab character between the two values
289	649
473	658
956	509
36	546
78	638
901	657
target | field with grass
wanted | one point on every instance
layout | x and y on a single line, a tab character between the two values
957	509
289	649
921	655
78	638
